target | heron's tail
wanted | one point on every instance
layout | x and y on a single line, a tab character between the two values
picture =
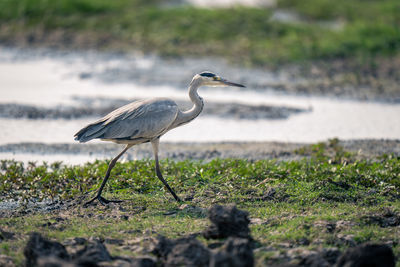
91	131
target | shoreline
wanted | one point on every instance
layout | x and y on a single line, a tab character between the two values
281	151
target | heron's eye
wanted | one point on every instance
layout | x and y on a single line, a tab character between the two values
216	78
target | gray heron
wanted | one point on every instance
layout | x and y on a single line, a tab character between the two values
146	121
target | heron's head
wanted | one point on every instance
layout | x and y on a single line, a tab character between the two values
210	79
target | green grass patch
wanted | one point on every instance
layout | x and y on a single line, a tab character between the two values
328	173
243	35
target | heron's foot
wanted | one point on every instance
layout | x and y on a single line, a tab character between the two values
102	201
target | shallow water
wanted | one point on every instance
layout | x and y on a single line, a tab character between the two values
328	119
63	79
68	159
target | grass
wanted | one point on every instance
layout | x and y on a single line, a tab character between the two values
293	201
240	34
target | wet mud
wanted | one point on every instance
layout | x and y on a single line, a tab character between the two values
229	250
365	149
224	110
386	218
227	221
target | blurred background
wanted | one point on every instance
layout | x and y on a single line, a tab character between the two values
314	69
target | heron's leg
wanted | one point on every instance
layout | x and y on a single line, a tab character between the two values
155	143
110	166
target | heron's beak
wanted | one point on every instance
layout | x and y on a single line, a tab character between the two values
231	83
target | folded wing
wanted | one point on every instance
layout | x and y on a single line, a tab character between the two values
144	120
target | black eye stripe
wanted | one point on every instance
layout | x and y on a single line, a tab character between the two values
207	74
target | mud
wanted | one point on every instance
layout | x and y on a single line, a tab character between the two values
225	110
186	251
227	221
40	251
40	247
4	235
364	149
236	252
386	218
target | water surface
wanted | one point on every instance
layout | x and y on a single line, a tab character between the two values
54	79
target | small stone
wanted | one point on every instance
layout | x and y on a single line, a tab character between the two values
4	235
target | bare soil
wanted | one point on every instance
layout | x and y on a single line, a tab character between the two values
365	149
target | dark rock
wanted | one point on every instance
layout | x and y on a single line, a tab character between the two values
330	227
186	251
189	253
124	217
4	235
303	241
92	253
227	221
39	246
236	252
367	255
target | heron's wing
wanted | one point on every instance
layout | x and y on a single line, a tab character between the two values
138	120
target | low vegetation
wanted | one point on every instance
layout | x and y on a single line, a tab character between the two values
319	29
328	199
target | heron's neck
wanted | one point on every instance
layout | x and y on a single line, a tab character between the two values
187	116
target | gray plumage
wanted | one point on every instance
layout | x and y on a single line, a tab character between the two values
146	121
138	121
